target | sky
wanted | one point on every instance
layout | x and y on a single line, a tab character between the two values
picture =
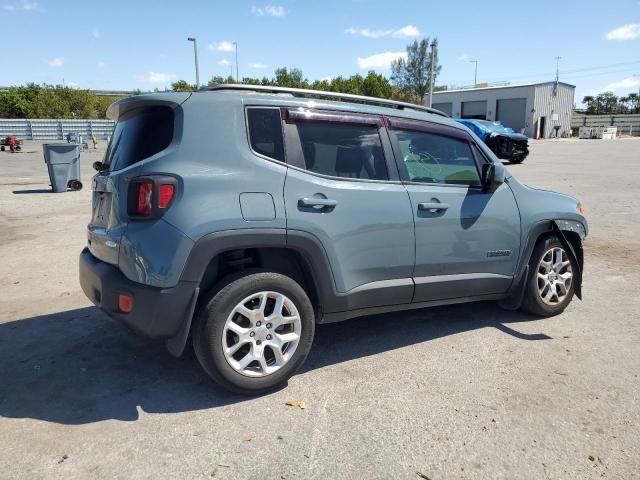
142	44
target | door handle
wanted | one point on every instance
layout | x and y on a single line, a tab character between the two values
432	206
317	202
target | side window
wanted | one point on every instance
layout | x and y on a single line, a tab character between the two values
265	132
433	158
343	150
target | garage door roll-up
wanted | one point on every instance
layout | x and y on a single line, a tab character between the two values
476	109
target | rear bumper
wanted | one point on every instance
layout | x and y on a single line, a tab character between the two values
157	312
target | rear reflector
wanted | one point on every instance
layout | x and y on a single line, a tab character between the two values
145	192
165	195
125	303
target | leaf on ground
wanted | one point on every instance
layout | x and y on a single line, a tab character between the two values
249	438
297	403
422	475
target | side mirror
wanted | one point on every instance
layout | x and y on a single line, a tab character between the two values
492	176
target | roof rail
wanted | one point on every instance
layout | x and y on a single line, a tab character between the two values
304	92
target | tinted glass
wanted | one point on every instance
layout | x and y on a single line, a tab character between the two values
343	150
139	134
265	132
432	158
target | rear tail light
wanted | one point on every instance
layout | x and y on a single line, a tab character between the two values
165	195
145	194
150	196
125	303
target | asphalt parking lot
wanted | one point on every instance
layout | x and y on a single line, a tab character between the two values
467	391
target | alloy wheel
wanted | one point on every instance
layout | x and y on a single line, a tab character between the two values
554	276
261	334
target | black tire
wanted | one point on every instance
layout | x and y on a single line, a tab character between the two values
532	301
517	160
74	185
210	320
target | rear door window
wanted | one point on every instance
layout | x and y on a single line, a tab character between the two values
265	132
139	134
343	150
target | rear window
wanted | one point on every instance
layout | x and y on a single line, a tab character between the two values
139	134
265	132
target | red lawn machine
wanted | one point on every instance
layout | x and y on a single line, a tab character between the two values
12	142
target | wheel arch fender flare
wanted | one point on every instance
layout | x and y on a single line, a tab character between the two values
561	228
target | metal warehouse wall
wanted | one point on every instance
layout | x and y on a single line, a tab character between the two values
49	129
627	124
547	104
539	102
491	96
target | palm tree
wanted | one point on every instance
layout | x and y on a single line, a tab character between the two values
588	100
634	100
622	105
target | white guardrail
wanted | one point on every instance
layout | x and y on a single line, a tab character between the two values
50	129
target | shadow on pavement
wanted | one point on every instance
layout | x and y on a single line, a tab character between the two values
78	367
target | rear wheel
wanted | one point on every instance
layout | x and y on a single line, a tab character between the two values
550	286
254	331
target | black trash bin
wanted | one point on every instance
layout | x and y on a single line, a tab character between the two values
63	164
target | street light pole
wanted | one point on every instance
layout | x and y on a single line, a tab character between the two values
433	57
195	54
235	44
475	75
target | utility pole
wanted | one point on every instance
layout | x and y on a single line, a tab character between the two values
235	44
475	75
555	88
433	59
195	54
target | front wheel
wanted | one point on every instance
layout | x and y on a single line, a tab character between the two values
254	331
550	287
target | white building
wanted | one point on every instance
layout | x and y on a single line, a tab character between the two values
539	110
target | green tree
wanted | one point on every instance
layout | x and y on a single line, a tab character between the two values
219	80
290	78
376	85
413	74
183	86
634	101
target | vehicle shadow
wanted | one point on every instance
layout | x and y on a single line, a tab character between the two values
78	367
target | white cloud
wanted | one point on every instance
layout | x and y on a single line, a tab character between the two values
101	64
258	66
407	31
24	5
622	85
72	85
96	33
156	77
224	61
326	79
380	60
56	62
269	11
464	57
221	47
625	32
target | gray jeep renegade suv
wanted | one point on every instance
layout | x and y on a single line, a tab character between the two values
242	216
